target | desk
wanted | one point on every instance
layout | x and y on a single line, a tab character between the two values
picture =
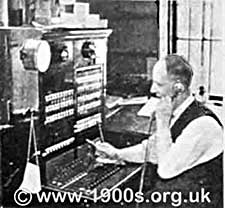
126	128
127	120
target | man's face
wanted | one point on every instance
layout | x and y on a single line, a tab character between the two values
162	85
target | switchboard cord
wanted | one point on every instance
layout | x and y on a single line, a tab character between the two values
147	151
32	133
101	132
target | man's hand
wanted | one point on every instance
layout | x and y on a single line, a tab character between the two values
106	149
164	111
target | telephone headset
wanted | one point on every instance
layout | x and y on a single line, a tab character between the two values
178	88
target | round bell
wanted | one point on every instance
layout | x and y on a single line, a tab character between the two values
36	55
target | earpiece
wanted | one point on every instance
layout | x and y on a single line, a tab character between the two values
178	87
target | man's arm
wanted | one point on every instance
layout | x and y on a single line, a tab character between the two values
163	135
135	153
199	142
164	140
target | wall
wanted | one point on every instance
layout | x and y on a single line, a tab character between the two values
134	39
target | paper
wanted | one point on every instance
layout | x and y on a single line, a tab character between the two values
67	2
149	107
112	101
31	179
134	100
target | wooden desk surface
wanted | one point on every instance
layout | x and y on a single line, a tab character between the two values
127	120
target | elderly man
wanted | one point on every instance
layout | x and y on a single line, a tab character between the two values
188	141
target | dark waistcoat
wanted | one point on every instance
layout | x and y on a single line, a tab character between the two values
208	175
195	110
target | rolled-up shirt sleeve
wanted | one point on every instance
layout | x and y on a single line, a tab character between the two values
136	153
199	142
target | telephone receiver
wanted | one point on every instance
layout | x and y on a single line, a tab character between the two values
178	88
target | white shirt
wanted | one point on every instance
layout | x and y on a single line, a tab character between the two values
200	141
180	109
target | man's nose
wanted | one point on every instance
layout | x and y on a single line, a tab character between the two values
153	89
